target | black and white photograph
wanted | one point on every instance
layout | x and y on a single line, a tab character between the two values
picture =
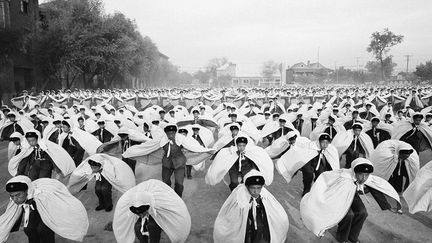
215	121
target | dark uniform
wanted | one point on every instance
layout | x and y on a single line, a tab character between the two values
416	139
378	136
279	133
298	124
36	230
350	226
103	135
103	190
396	179
150	232
259	233
37	165
348	125
354	151
74	149
11	128
367	115
240	168
312	170
173	162
330	130
55	135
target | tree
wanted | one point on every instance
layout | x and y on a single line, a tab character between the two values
380	45
214	64
202	76
424	71
270	68
377	69
79	45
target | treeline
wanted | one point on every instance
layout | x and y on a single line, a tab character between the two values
79	45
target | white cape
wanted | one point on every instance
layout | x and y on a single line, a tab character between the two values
343	140
166	207
226	158
115	171
418	195
297	156
331	197
386	156
59	210
230	224
60	157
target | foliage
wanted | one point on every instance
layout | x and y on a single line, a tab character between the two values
424	71
376	69
270	68
11	42
380	45
79	45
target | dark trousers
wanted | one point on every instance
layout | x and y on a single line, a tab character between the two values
103	191
153	229
310	174
189	171
179	175
234	182
396	179
308	177
37	231
350	226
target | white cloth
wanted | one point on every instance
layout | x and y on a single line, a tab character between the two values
386	157
295	158
343	140
166	207
86	140
226	158
418	195
114	170
231	222
331	197
60	157
59	210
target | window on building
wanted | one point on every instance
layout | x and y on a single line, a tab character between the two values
24	6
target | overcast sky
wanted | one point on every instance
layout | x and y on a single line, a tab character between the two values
250	32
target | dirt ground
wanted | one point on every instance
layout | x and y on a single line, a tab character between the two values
204	202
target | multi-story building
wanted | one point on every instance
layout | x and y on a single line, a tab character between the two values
19	17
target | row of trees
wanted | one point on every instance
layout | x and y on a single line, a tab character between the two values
79	45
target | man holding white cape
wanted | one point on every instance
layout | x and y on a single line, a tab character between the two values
335	199
47	207
251	214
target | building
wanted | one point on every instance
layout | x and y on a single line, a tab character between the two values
304	70
256	81
249	75
18	16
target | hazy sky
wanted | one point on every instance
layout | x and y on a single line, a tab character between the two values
250	32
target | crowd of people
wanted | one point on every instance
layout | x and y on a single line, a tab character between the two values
343	141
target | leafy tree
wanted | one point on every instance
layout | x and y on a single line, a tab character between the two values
380	45
270	68
376	69
80	45
214	64
202	76
424	71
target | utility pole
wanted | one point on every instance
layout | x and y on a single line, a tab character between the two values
337	74
407	57
358	67
318	54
